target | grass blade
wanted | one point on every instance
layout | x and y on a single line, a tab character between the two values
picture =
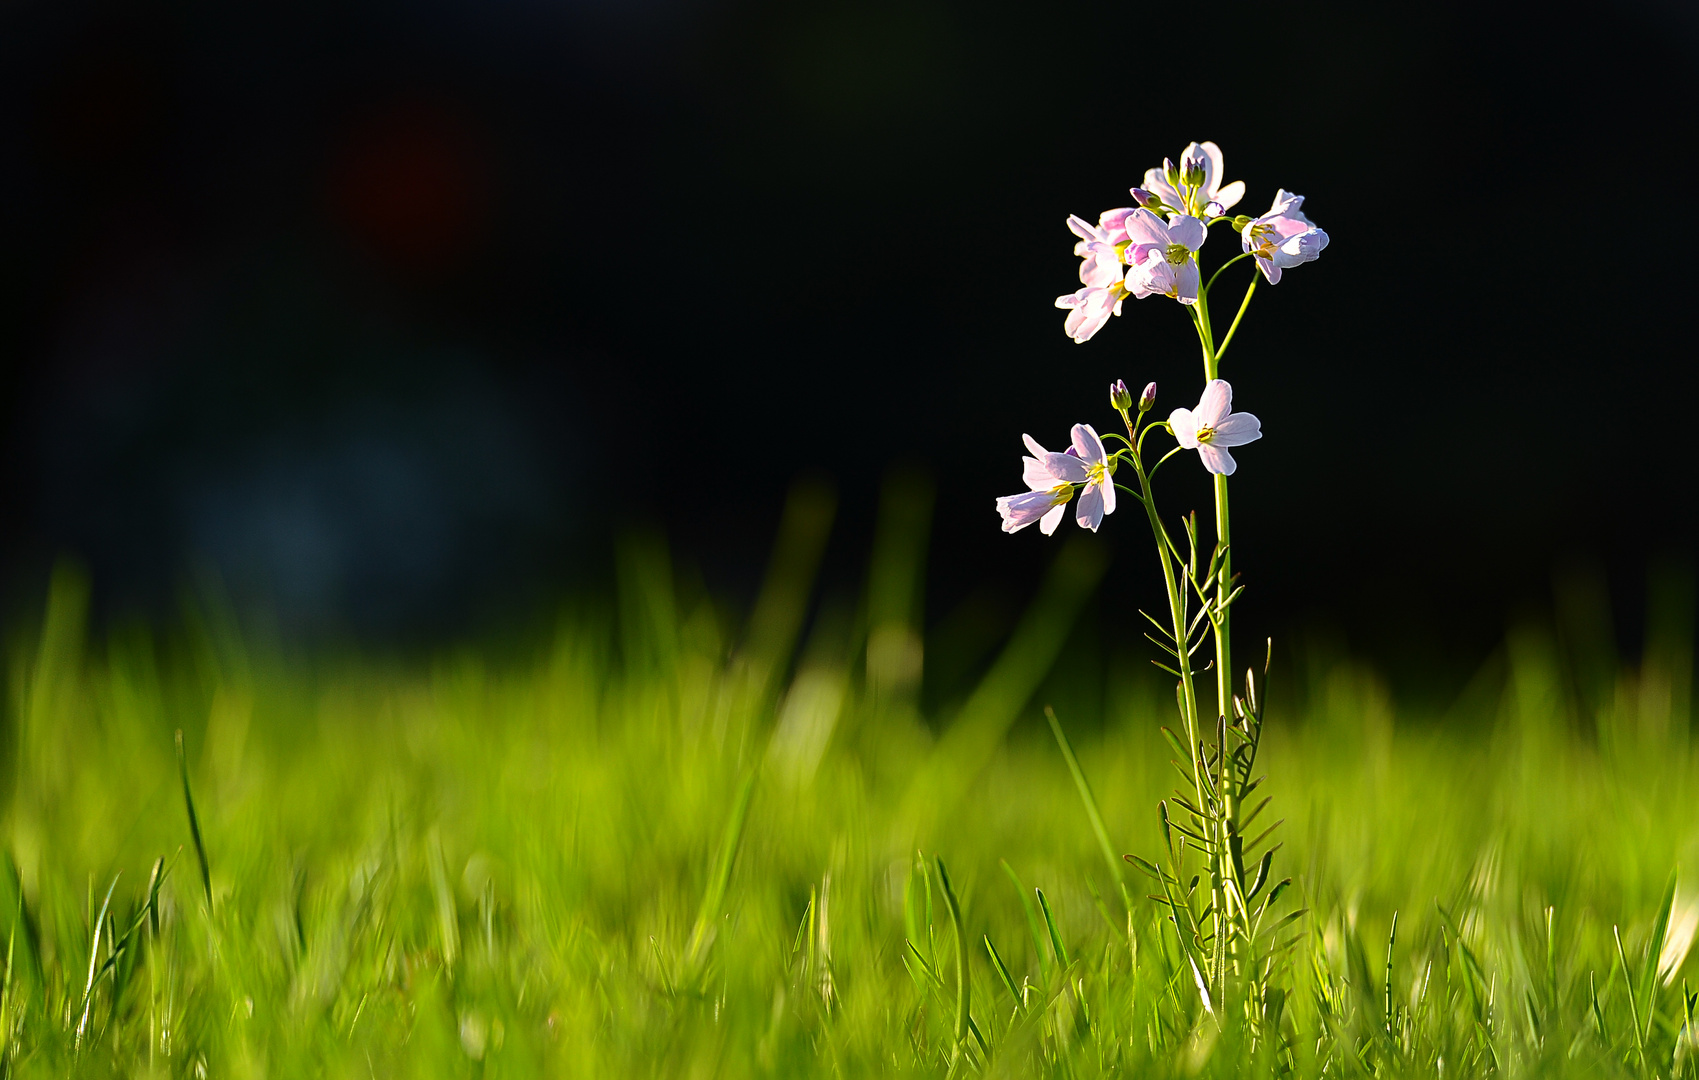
194	823
1091	811
702	935
1055	937
964	986
1633	1007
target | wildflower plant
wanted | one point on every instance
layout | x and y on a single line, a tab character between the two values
1223	914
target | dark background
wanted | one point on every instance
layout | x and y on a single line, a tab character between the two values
391	315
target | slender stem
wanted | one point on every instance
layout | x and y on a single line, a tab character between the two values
1223	267
1245	303
1177	614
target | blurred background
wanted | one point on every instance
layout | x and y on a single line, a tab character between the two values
392	318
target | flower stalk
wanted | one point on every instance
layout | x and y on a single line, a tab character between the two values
1153	249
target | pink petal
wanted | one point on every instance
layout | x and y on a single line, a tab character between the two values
1144	227
1188	230
1186	282
1087	444
1090	512
1185	426
1047	524
1237	430
1230	194
1217	460
1066	467
1216	403
1036	475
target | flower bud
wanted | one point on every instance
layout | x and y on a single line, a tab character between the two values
1119	396
1148	398
1170	173
1145	198
1194	173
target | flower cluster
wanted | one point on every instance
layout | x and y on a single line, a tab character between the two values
1151	249
1052	478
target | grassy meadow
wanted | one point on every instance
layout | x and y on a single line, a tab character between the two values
670	842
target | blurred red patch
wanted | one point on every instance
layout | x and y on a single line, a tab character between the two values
411	184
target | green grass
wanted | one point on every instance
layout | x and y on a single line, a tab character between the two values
660	847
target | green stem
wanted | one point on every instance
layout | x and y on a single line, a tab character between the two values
1243	304
1176	611
1222	268
1228	867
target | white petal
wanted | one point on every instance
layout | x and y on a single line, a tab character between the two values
1086	444
1188	230
1230	194
1237	430
1036	475
1032	446
1144	227
1066	467
1185	426
1217	460
1213	167
1216	403
1047	524
1108	486
1186	282
1090	512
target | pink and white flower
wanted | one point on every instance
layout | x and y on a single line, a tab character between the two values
1047	499
1160	255
1208	199
1101	273
1213	426
1283	237
1086	462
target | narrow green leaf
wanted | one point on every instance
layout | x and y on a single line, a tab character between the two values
1031	922
1093	815
964	985
1002	971
1055	936
1633	1006
1648	989
194	823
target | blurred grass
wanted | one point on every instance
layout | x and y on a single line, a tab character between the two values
667	846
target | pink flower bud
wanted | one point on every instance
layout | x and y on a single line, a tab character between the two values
1120	398
1148	398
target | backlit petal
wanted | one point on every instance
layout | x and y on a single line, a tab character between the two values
1185	425
1067	467
1237	430
1188	230
1230	194
1217	402
1090	512
1144	227
1217	460
1086	443
1047	524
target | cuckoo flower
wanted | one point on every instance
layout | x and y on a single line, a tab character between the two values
1283	237
1160	254
1048	497
1086	463
1101	272
1213	426
1208	197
